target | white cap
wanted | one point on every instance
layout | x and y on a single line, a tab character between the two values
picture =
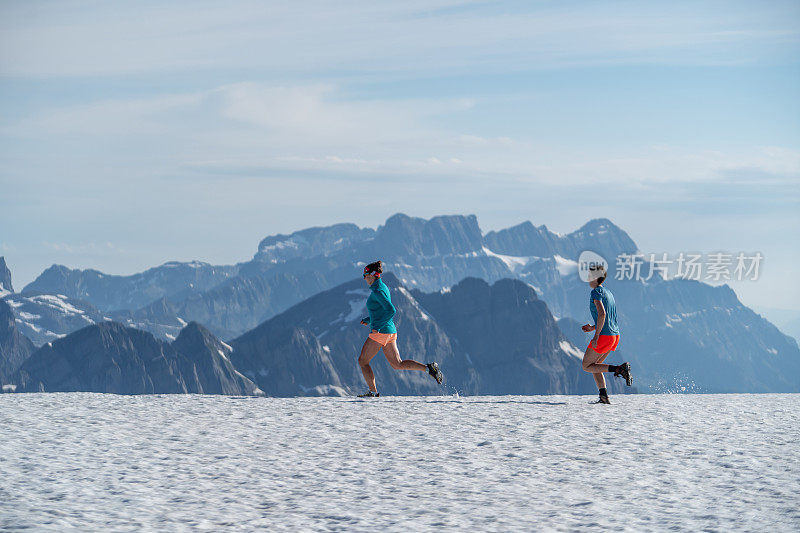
596	273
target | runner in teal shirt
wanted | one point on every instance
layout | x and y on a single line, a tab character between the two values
381	310
384	334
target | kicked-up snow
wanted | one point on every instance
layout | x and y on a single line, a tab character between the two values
92	462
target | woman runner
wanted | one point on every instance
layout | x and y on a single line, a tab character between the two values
384	334
606	336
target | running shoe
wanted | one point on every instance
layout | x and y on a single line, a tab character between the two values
370	394
603	399
433	370
624	370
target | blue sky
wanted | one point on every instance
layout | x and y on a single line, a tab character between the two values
131	135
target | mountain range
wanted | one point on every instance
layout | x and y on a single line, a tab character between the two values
680	335
311	349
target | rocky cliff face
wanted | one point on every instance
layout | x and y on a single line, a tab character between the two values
112	358
204	362
15	348
105	357
5	279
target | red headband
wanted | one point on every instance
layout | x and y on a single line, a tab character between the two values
371	272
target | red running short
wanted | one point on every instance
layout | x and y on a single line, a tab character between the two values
605	344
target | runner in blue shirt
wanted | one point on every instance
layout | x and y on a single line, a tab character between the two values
606	337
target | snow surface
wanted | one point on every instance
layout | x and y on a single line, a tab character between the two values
93	462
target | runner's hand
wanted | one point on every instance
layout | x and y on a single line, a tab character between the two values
587	328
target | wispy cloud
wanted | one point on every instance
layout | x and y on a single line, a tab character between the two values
252	129
87	39
85	248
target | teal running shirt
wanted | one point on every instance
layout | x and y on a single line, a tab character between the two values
381	310
605	296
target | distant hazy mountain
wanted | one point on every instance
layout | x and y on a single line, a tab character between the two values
234	306
425	254
15	348
108	292
111	358
311	242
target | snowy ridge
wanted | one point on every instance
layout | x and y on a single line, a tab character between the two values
415	303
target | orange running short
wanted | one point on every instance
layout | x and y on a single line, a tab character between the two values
382	338
605	343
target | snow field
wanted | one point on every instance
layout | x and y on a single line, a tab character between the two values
83	461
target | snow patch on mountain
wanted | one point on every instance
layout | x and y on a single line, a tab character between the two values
513	263
570	349
57	302
566	267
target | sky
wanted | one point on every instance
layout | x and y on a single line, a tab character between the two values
132	134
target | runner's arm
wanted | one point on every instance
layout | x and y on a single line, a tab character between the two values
601	319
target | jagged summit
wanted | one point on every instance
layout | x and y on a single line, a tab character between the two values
317	240
403	235
5	278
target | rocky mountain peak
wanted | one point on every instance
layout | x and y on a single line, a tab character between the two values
5	278
442	235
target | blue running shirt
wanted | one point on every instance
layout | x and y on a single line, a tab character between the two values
605	296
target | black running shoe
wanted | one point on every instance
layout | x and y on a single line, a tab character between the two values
603	399
624	370
433	370
370	394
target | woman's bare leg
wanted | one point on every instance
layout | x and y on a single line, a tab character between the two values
393	356
368	351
